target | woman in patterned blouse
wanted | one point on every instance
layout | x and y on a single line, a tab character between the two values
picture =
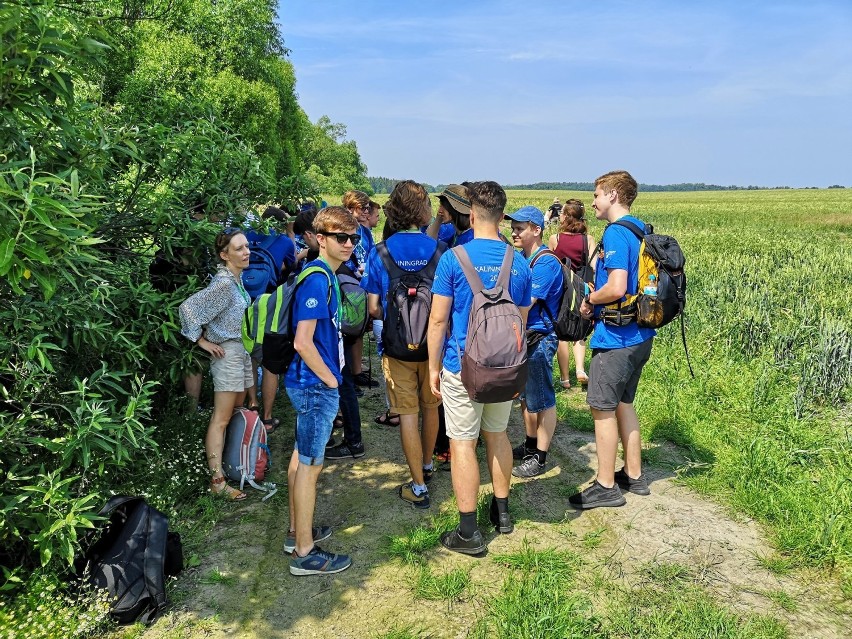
213	319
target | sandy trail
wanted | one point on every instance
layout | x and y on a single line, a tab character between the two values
259	598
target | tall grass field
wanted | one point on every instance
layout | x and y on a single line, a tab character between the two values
767	419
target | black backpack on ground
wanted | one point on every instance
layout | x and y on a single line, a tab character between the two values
409	302
128	556
568	324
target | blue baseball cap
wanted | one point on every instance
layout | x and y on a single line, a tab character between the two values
528	214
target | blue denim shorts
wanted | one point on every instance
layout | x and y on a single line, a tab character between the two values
316	407
539	394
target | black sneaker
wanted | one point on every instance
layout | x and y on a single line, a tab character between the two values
597	496
638	486
330	443
345	450
364	379
427	475
502	523
529	468
522	452
453	540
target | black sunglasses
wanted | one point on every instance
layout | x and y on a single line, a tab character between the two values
341	238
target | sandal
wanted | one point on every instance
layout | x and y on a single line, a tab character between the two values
337	424
566	383
583	379
255	408
228	491
271	424
387	419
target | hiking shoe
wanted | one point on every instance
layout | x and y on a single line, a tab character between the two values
502	523
321	533
529	468
638	486
453	540
345	450
318	562
406	493
364	379
597	496
522	452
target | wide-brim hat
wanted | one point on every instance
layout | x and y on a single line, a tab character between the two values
455	197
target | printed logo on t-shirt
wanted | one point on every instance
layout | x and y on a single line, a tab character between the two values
609	254
311	302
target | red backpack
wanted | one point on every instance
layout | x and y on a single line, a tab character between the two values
245	457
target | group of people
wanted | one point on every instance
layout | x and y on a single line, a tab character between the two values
423	380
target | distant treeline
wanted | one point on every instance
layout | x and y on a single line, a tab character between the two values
385	185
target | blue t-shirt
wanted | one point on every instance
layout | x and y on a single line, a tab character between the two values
411	250
486	256
620	251
546	287
464	238
446	232
312	302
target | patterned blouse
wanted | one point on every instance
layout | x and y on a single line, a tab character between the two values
217	310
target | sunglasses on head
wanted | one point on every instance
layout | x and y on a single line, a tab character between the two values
341	238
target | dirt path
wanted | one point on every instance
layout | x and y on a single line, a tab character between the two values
243	588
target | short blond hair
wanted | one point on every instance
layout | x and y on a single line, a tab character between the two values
334	217
622	183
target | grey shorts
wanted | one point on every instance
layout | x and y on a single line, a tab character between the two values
614	375
463	416
232	373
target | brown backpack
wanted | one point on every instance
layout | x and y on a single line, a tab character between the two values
494	364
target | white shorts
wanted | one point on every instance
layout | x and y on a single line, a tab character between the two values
233	372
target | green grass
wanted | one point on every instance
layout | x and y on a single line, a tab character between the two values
449	586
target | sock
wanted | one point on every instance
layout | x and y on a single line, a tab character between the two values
541	455
429	467
467	524
531	443
502	504
418	489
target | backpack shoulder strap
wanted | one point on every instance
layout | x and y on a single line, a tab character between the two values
473	279
538	255
310	271
638	232
506	267
387	259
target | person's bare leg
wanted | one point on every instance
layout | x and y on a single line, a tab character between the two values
192	387
631	438
409	436
268	390
291	483
546	426
530	421
357	354
498	453
606	442
562	356
465	473
304	502
579	348
214	442
428	433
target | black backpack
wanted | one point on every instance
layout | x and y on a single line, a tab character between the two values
568	324
409	300
128	556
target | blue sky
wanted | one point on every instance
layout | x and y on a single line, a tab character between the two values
717	92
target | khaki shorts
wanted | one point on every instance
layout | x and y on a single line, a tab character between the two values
408	386
233	372
463	416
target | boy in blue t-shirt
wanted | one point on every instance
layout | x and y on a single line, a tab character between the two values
408	388
312	381
619	352
538	402
451	304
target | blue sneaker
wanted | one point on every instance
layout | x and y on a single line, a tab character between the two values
318	562
321	533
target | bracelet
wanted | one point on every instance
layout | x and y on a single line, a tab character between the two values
587	300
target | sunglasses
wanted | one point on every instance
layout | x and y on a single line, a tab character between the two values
341	238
